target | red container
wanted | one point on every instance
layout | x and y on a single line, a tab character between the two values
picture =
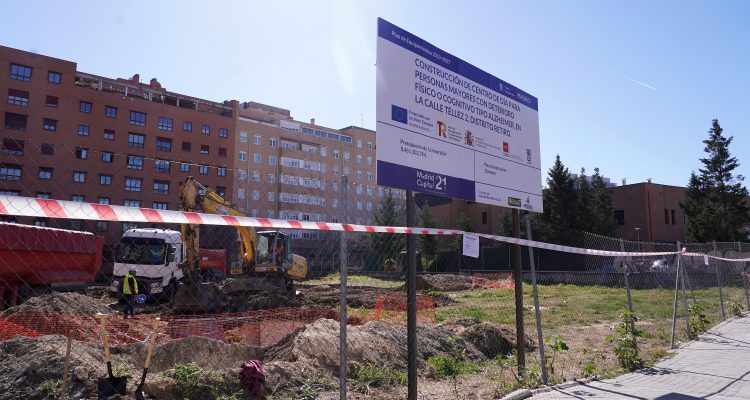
42	256
212	260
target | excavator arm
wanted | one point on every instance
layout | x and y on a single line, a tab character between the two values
195	197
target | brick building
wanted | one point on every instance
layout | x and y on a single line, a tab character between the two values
71	135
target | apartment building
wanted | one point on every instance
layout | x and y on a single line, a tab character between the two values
71	135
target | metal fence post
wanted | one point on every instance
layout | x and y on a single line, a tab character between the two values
744	277
718	279
684	293
626	272
539	333
674	304
343	269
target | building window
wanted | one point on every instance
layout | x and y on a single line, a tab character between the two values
359	174
336	170
83	130
271	160
110	112
221	171
241	174
666	216
221	191
44	173
256	194
254	213
161	187
359	143
241	193
271	196
126	226
54	77
243	156
79	176
271	178
12	147
52	101
82	153
131	203
335	203
133	184
187	126
164	144
369	160
15	121
359	158
84	107
674	220
105	180
18	97
257	139
43	195
204	149
104	200
78	198
40	222
102	226
135	162
243	137
369	206
206	129
323	152
203	169
223	132
109	134
222	152
336	154
159	205
359	205
48	149
256	176
271	214
346	155
359	189
620	217
20	72
136	140
184	167
161	166
137	118
107	156
49	125
346	171
187	146
272	142
257	158
164	124
369	145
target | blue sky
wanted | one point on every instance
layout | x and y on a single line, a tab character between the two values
629	87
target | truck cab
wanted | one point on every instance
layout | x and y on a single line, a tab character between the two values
156	254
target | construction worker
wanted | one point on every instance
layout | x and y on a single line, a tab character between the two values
130	290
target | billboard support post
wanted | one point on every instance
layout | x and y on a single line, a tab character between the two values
520	341
411	300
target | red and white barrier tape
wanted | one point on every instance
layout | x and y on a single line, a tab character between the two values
46	208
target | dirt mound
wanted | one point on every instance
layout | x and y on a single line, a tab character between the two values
316	348
444	282
60	303
490	338
259	301
358	297
207	353
30	365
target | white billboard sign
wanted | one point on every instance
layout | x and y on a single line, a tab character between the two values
448	128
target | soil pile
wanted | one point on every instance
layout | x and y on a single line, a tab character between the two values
315	349
358	297
60	303
444	283
490	338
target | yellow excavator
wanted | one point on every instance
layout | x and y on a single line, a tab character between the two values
264	262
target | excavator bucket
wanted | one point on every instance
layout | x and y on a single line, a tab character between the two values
198	297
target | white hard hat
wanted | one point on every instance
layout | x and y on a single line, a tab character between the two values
133	269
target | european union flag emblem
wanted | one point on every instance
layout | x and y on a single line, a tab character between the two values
399	114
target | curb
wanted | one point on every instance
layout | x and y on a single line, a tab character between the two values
526	393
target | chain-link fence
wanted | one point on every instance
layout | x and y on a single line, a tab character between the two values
217	294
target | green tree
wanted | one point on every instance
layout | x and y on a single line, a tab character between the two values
427	244
388	245
602	209
715	203
559	204
462	224
585	218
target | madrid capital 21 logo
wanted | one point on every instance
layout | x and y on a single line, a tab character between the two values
399	114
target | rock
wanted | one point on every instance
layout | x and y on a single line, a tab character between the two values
163	389
81	374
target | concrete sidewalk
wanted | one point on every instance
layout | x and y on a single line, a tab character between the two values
716	366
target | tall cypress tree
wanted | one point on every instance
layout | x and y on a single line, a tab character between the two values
715	200
388	245
559	203
602	209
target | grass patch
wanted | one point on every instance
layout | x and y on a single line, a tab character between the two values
192	382
353	280
446	367
367	376
49	389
